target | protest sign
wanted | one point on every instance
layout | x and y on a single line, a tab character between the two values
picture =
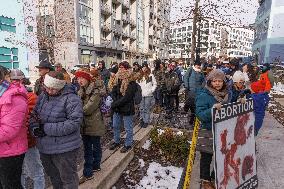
234	146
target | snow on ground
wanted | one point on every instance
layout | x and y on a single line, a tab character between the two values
142	163
161	131
146	145
160	177
179	133
278	88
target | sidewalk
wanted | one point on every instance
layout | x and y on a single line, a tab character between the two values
270	156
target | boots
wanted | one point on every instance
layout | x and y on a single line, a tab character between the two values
205	184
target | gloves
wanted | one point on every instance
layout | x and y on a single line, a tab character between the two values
39	131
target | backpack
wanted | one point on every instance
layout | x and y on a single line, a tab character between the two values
138	95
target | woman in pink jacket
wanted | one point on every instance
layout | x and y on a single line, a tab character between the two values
13	133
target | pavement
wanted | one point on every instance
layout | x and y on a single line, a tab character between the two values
280	100
270	156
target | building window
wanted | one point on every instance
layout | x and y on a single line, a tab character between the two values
7	24
179	30
9	57
30	29
189	28
183	28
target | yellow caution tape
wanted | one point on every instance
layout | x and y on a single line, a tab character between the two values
191	154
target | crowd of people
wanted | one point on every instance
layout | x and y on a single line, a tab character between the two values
43	127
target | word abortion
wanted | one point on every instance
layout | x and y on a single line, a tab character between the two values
231	110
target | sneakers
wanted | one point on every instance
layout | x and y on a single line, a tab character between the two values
113	146
145	125
96	170
141	123
125	149
205	184
84	179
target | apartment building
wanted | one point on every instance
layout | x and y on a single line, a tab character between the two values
209	41
109	30
213	39
18	41
268	45
240	42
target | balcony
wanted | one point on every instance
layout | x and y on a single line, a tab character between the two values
125	4
125	47
106	27
117	1
126	19
105	43
125	34
105	9
133	36
151	21
132	22
117	29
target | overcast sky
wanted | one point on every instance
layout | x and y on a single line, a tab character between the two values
235	12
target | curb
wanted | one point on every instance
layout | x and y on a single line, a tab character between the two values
114	162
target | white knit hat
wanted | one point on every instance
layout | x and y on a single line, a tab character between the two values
238	76
53	83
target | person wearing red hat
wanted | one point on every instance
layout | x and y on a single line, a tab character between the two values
93	127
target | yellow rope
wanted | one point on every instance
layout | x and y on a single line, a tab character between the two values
191	155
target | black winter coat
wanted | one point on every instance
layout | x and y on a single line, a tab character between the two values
124	105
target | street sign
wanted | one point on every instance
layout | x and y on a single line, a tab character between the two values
234	146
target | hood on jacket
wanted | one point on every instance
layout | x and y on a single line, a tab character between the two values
14	89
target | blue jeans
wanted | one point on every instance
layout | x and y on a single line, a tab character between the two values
128	126
145	108
32	167
92	154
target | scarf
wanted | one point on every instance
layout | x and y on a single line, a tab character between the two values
221	96
124	77
4	87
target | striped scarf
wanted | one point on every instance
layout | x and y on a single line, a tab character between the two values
3	87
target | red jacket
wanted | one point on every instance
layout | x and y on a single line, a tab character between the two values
263	84
32	99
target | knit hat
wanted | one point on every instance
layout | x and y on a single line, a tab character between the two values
53	83
216	74
84	74
16	74
238	76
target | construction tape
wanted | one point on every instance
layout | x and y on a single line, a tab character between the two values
191	155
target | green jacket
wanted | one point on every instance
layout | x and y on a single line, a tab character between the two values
93	124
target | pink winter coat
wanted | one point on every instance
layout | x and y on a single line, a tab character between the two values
13	131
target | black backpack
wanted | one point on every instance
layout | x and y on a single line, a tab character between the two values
138	95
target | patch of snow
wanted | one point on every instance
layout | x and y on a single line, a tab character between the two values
161	131
278	88
160	177
180	133
146	145
141	162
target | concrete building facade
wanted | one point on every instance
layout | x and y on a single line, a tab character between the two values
109	30
216	39
268	45
18	41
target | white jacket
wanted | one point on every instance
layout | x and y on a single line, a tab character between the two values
148	87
